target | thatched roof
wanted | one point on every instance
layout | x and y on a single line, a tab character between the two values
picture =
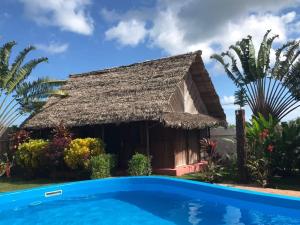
136	92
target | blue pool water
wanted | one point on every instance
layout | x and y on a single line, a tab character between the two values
151	200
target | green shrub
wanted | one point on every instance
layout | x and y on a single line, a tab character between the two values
102	165
139	165
80	151
286	156
29	154
261	138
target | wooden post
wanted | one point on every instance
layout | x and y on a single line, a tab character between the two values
240	144
147	140
102	132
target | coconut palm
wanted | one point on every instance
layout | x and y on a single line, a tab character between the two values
17	95
267	89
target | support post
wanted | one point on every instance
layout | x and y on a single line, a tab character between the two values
147	140
240	144
102	132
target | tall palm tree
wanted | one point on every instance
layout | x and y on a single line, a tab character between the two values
17	95
267	89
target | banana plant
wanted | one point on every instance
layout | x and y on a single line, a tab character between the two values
267	89
18	96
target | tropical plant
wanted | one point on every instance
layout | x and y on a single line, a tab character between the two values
5	165
80	151
102	165
17	95
286	158
269	91
29	154
212	172
139	165
261	136
54	154
18	138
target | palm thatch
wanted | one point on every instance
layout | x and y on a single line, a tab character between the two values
137	92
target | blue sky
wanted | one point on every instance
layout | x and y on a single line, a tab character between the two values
84	35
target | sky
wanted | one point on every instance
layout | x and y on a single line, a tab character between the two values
84	35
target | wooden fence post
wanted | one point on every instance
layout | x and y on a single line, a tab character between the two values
240	144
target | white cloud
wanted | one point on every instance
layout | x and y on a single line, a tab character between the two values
227	100
292	115
211	25
68	15
169	36
53	48
130	32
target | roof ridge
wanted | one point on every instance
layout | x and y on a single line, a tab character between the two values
110	69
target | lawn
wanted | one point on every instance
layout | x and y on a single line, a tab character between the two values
14	184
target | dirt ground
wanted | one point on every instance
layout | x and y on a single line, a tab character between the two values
267	190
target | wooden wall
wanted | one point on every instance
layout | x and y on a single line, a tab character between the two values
175	147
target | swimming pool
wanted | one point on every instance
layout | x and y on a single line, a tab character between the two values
146	201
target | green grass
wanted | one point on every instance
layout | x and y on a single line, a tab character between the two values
287	183
14	184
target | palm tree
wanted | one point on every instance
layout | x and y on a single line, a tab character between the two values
17	95
268	91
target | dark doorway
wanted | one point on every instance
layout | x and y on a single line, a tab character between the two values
112	139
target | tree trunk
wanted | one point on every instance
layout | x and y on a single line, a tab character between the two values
240	144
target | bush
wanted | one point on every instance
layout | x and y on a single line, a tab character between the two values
80	151
139	165
54	155
212	172
18	138
29	154
261	137
286	157
102	165
5	165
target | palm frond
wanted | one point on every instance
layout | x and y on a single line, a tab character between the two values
17	63
5	52
267	91
240	97
263	59
31	94
23	73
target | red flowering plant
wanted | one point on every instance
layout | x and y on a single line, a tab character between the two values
213	171
5	165
7	158
261	136
19	137
54	154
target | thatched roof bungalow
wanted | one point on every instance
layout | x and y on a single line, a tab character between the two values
161	107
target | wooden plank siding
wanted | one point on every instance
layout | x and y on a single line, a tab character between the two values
170	147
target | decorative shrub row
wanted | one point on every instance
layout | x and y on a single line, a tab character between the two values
104	164
34	154
60	155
